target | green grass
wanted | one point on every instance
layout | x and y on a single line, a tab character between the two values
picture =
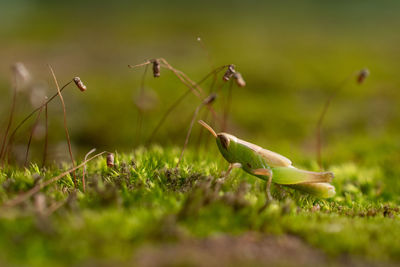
144	200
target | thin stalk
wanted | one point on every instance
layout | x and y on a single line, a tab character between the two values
211	62
10	140
84	169
205	118
179	100
196	112
46	136
65	121
140	112
30	137
227	107
166	114
318	135
205	49
140	65
10	117
186	82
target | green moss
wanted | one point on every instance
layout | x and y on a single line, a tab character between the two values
144	199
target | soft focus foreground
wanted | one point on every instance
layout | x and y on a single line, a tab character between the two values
144	211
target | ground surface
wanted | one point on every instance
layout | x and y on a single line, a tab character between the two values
145	212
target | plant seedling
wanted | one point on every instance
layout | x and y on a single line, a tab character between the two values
270	166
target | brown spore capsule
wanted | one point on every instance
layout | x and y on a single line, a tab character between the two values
362	75
229	73
79	84
156	68
239	79
110	160
211	98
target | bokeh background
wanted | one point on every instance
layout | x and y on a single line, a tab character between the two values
292	54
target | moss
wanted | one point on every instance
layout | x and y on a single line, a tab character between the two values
144	199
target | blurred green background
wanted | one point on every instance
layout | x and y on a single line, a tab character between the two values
293	54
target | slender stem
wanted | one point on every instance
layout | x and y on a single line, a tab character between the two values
205	118
190	84
166	114
84	169
30	137
318	134
65	122
46	136
196	112
10	140
187	83
227	107
205	49
213	72
10	117
179	100
140	111
140	65
139	126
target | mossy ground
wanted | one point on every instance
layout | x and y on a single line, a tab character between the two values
142	207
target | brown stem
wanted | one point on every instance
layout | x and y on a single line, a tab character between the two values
140	112
65	122
205	118
189	132
84	169
30	137
179	100
10	140
318	135
10	117
166	114
140	65
227	107
190	84
183	79
46	136
205	49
